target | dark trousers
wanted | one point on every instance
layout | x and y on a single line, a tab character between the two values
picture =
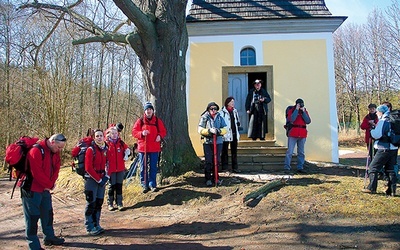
225	154
209	170
37	206
387	159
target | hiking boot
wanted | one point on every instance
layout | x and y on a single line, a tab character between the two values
100	229
94	231
153	189
56	241
111	208
287	171
367	191
145	190
301	171
209	183
121	208
236	171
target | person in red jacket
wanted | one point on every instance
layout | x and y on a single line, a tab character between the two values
96	177
298	118
149	131
368	123
118	153
45	162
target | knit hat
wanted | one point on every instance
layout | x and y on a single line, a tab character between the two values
119	126
299	101
212	104
371	105
148	105
228	100
382	108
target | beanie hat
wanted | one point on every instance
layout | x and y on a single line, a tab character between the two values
212	104
148	105
299	101
228	100
119	127
382	108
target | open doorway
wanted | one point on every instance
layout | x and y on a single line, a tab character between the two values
237	81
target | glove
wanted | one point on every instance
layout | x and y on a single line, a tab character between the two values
127	153
212	130
103	181
145	132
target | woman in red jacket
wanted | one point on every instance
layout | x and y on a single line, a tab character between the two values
118	153
149	130
96	177
369	122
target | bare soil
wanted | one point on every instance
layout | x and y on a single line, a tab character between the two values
184	214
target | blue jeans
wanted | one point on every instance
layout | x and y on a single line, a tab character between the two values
292	141
37	206
148	173
94	194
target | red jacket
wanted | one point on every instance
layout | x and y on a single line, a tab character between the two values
44	170
148	144
299	129
365	125
95	164
116	153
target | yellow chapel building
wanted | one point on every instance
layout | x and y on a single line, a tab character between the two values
287	44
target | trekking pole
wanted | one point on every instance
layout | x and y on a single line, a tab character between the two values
367	163
145	161
215	159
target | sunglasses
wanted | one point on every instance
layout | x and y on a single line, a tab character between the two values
213	109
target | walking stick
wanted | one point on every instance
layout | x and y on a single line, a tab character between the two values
215	159
367	163
145	162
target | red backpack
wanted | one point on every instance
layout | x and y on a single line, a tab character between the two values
18	165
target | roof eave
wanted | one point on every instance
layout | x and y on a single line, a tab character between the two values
265	26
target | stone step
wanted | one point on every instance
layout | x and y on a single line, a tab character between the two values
274	150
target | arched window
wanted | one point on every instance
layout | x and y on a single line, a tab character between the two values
247	57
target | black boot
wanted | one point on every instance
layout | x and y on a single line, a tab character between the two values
373	182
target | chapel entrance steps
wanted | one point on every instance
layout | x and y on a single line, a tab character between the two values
254	156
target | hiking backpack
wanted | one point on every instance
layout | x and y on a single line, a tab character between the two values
288	125
78	154
19	168
394	120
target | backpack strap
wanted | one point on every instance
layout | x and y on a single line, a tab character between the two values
156	124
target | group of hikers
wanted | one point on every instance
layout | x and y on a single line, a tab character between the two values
104	162
220	130
104	159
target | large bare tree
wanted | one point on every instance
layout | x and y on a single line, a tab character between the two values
159	38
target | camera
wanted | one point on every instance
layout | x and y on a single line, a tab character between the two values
257	98
301	105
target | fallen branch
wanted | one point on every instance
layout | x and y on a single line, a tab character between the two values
261	192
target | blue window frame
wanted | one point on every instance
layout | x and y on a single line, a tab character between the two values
247	57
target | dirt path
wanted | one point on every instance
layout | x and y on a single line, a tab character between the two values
216	219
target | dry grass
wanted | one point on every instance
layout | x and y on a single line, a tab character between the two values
351	139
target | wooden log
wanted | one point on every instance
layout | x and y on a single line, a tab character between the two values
264	189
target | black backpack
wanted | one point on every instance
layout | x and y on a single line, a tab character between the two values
394	120
288	125
78	154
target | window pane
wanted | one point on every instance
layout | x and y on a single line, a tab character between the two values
248	57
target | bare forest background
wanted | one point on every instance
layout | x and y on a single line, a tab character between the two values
48	85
